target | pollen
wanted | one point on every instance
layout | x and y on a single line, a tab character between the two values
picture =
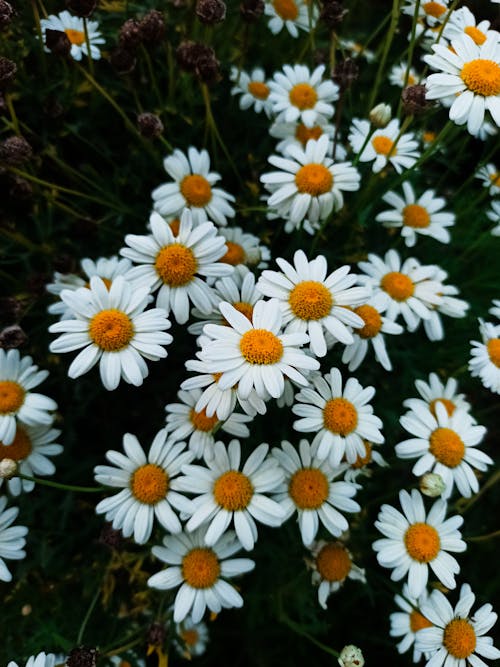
314	179
303	96
459	638
259	90
111	330
449	405
75	36
310	300
447	447
383	146
11	396
434	9
482	77
303	133
397	285
201	422
200	568
475	34
362	461
418	621
340	416
333	562
308	488
196	190
20	448
416	216
422	542
371	318
493	347
176	265
235	254
233	491
149	484
260	346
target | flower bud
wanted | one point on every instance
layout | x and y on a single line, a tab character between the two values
380	115
81	8
8	468
8	70
210	12
150	126
153	27
130	35
251	10
414	102
6	13
12	337
15	151
82	656
332	14
432	485
351	656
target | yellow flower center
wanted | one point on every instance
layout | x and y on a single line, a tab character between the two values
258	89
449	405
418	621
233	491
19	449
434	9
362	461
196	190
315	179
475	34
333	562
175	225
303	96
459	638
176	265
286	9
260	346
111	330
447	447
11	396
383	146
482	77
428	136
200	567
340	416
75	36
493	347
411	80
201	422
416	216
422	542
308	488
397	285
303	133
310	300
149	484
235	254
372	320
190	637
107	283
495	179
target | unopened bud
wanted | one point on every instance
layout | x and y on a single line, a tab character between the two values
150	126
82	656
8	69
414	102
12	337
332	14
153	27
6	13
8	468
15	150
380	115
351	656
130	35
210	12
431	484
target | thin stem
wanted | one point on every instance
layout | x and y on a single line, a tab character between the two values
87	43
483	538
17	237
87	616
410	52
297	629
12	112
151	73
387	45
64	487
466	503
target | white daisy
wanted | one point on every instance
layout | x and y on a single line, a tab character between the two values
462	21
332	564
309	490
485	356
244	248
297	134
149	487
431	12
410	620
422	215
173	263
192	638
360	467
30	449
201	573
456	639
184	419
341	418
414	540
495	309
73	27
11	538
446	445
382	147
114	330
397	75
256	355
193	189
252	88
17	402
310	184
494	215
41	659
490	176
290	14
356	49
470	72
486	131
435	390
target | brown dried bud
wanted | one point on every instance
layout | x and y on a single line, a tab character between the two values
110	537
153	27
414	102
20	188
150	126
345	73
156	634
58	42
82	8
130	35
210	11
6	14
251	10
82	656
123	60
208	68
199	59
332	14
8	69
15	150
186	54
12	337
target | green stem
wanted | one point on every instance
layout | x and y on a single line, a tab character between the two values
483	538
87	616
64	487
410	52
374	34
298	630
12	112
387	45
151	73
87	42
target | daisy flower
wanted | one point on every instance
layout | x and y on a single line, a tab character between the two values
256	355
360	465
495	309
226	495
456	638
114	330
297	134
430	11
174	263
148	486
299	95
446	445
252	88
184	419
41	659
331	564
200	572
490	176
74	29
397	75
17	402
414	541
485	356
382	147
407	622
356	49
470	72
244	248
312	301
193	189
192	638
341	418
309	490
11	538
422	215
462	21
30	449
290	14
309	184
494	215
433	391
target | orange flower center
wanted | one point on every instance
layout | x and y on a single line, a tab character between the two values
196	190
310	300
416	216
303	96
260	346
107	283
411	80
459	638
418	621
303	133
19	449
111	330
372	320
397	285
286	9
233	491
362	461
434	9
258	89
11	396
333	562
383	146
422	542
308	488
340	416
495	179
476	35
175	225
428	136
449	405
200	567
149	484
190	637
235	254
482	77
493	347
447	446
176	265
201	422
314	179
75	36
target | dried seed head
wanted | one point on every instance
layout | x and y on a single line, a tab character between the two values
8	69
15	151
150	126
208	68
123	60
210	11
332	14
156	634
12	337
130	35
82	656
82	8
414	102
251	10
153	27
199	59
6	13
345	73
58	42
